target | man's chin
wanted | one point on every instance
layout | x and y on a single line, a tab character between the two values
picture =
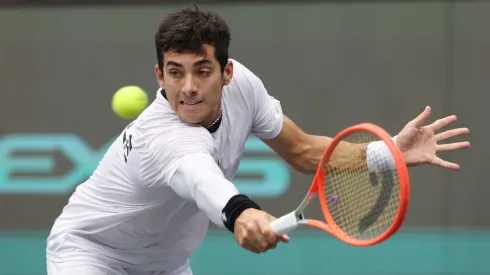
191	120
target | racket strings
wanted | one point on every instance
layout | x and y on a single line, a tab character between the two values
363	204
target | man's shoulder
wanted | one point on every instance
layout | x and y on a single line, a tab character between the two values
244	84
241	73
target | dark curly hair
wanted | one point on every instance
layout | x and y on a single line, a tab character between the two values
188	30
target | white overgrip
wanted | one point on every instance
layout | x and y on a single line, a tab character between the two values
285	224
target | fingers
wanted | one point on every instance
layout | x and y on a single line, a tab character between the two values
253	232
261	244
253	240
452	146
452	133
420	120
252	247
269	235
443	122
284	238
445	164
261	240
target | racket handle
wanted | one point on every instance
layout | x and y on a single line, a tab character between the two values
285	224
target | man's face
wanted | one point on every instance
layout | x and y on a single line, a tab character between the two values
193	84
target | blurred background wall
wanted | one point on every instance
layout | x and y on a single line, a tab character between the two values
332	64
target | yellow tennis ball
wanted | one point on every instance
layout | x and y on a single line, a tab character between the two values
129	101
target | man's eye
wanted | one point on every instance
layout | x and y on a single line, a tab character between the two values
204	72
174	73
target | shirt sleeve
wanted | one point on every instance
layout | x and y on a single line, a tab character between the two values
267	115
185	163
199	179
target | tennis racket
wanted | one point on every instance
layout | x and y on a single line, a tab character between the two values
364	197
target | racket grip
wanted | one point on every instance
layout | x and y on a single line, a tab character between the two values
285	224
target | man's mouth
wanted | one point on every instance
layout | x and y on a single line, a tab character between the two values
190	103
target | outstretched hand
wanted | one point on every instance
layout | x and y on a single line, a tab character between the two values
419	143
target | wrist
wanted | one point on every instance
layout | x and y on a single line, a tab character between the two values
379	157
234	208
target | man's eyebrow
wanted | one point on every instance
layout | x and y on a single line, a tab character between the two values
173	63
197	63
202	62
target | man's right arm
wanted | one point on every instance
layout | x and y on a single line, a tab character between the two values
187	166
199	179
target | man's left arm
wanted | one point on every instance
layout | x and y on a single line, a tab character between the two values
417	141
303	151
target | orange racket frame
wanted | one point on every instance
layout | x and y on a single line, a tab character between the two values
296	218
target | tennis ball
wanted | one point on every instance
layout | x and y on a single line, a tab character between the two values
129	101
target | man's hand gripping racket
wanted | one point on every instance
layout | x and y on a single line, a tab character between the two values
363	198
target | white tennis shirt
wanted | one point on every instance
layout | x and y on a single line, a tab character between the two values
149	202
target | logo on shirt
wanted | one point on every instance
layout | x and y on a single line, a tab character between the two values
127	141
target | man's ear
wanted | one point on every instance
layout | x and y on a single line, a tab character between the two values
159	75
228	73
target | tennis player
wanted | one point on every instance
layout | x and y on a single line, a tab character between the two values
147	206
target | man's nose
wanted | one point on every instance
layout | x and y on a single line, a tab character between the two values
190	88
